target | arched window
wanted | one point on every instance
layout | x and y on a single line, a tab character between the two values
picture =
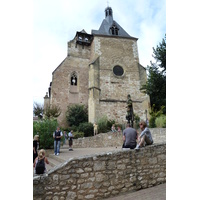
73	78
114	30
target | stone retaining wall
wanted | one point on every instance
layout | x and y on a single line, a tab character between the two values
103	175
115	139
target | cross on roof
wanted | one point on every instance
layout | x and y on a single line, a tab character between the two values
107	3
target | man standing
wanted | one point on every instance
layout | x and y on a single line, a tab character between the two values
57	136
145	137
129	137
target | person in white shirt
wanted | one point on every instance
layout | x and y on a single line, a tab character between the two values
70	136
145	137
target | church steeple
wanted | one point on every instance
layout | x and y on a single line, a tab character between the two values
109	14
110	27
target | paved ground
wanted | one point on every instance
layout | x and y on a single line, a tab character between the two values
153	193
65	154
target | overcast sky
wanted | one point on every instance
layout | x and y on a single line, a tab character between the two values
56	22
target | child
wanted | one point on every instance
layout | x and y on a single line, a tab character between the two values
113	128
41	156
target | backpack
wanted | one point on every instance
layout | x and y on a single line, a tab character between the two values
40	166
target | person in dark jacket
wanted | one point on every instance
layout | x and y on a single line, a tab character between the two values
35	147
57	135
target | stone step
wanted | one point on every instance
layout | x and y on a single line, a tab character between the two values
53	159
58	158
64	146
53	162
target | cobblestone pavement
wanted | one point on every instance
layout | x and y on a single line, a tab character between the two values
154	193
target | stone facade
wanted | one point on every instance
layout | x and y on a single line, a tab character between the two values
63	93
103	175
91	60
108	92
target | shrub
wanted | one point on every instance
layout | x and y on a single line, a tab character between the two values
78	135
136	121
152	123
74	128
76	114
161	121
45	129
102	125
110	123
154	114
87	128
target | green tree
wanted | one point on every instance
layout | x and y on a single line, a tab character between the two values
52	111
155	114
76	114
45	129
38	109
155	86
160	54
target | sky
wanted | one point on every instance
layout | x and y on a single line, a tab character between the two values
56	22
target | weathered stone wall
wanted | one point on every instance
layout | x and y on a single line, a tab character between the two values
103	175
107	93
115	139
62	92
114	89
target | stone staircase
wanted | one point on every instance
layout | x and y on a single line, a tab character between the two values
56	160
65	154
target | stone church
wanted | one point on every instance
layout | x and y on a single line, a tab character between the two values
100	70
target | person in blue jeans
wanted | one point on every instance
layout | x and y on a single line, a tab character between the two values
57	135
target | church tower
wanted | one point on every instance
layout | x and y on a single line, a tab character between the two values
114	73
100	70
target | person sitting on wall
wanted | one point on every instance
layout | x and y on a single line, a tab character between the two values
129	137
119	129
145	137
113	128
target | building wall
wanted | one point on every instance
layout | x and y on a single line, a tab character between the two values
112	51
98	87
62	92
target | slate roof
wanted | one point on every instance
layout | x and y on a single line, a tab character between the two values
106	24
